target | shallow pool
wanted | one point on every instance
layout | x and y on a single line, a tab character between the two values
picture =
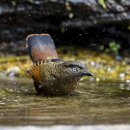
98	103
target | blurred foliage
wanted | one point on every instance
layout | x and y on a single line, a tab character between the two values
14	2
129	27
102	3
113	48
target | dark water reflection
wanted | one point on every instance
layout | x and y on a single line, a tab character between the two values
98	103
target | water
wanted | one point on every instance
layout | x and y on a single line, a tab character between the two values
98	103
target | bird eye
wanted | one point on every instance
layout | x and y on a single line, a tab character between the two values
74	69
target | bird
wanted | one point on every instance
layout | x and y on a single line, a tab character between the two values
52	75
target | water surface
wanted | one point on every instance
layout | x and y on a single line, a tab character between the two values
98	103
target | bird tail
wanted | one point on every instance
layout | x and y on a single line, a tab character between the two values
41	47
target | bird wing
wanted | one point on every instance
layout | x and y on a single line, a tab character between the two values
35	70
41	47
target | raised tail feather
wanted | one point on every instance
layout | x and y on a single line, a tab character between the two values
41	47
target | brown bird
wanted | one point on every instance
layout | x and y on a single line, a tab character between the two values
51	75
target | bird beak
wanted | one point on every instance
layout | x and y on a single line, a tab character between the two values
87	74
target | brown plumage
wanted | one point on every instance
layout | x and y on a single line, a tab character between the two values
51	75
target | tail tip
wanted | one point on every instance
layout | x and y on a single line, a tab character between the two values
31	35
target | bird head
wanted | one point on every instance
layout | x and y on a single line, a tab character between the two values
75	69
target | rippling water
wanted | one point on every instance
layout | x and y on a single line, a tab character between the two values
98	103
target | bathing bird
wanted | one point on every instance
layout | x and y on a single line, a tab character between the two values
52	75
